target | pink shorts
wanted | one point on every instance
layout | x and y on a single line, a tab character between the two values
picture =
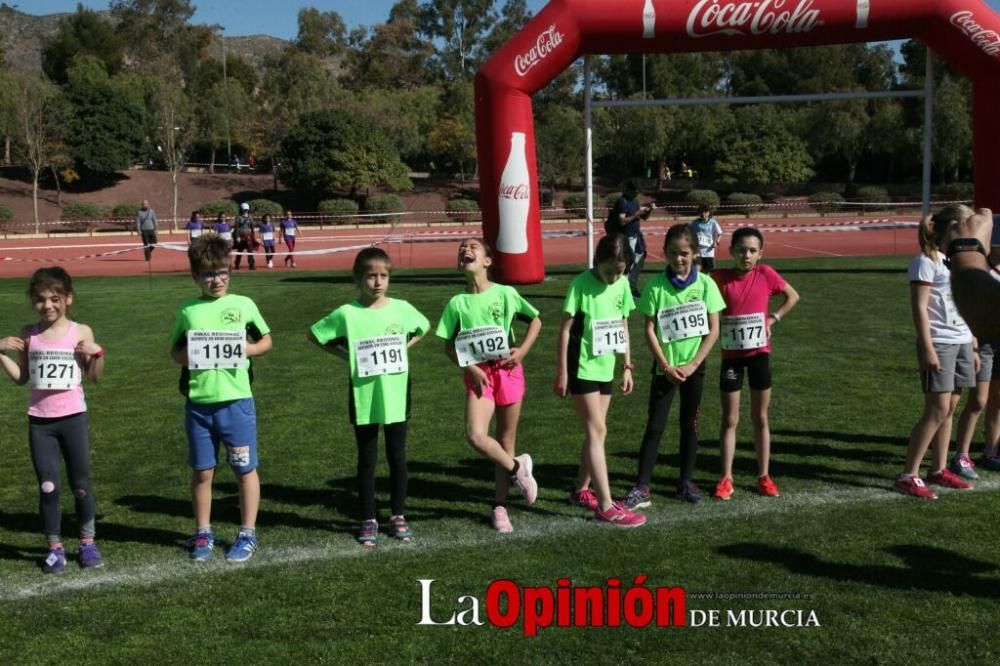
506	386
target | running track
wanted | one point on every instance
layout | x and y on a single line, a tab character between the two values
423	247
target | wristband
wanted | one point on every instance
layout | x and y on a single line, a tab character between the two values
777	317
965	245
628	366
99	353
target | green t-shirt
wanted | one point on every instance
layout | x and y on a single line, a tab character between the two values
497	306
590	299
229	313
659	296
380	336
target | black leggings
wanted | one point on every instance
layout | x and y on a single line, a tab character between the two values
395	452
661	395
69	437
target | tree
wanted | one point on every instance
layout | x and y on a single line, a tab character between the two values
559	142
452	142
415	112
626	140
40	116
157	34
8	109
84	33
460	25
952	127
513	15
321	34
330	150
173	126
758	149
224	113
106	127
392	54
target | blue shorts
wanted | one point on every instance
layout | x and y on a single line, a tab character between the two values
233	424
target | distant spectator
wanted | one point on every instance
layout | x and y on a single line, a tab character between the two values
251	163
236	163
145	224
245	241
625	217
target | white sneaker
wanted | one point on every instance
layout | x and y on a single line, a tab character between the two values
501	521
270	264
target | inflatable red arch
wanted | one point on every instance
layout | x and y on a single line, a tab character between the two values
965	32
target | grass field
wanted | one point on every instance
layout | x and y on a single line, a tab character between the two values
890	579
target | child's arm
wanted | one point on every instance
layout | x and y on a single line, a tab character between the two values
518	353
628	383
791	300
333	347
414	340
93	354
920	295
707	342
260	347
16	370
179	352
561	383
674	375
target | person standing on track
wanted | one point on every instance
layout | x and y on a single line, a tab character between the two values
145	224
245	240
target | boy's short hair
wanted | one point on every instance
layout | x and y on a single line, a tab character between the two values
208	252
365	257
743	232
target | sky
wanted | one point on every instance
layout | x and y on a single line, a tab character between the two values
267	17
252	17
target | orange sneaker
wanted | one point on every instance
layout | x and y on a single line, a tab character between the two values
724	489
767	487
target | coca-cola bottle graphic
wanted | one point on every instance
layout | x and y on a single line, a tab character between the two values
514	199
648	20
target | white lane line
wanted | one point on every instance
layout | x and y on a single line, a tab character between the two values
809	249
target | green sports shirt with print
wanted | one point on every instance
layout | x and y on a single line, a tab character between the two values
228	313
659	294
497	306
590	299
379	398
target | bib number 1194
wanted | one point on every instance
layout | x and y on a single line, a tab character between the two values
216	350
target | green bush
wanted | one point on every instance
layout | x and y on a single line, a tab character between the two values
611	198
462	209
340	210
825	202
955	192
577	203
5	213
871	194
260	207
700	198
83	210
743	202
211	209
126	209
384	205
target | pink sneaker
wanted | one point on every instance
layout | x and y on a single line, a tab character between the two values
584	498
914	487
501	521
523	479
948	479
619	516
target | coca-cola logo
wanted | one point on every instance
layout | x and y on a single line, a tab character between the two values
544	45
515	191
759	17
987	40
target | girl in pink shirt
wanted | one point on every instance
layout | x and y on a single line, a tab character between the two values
53	355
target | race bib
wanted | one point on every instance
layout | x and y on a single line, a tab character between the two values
609	337
384	355
267	236
680	322
216	350
950	311
744	332
290	232
226	235
53	369
481	344
705	240
195	233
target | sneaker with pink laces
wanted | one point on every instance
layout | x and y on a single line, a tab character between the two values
501	521
914	487
947	479
619	516
524	480
584	498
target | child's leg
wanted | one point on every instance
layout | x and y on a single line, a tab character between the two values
366	437
727	430
936	409
691	392
974	406
583	474
478	414
992	419
44	444
593	411
760	403
249	498
75	442
201	496
507	419
942	437
661	395
395	453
